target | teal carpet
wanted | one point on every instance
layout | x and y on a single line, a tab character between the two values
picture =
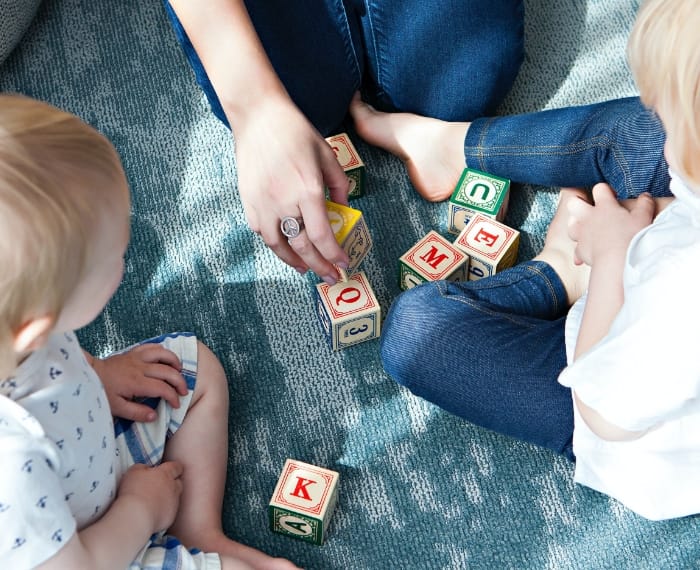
419	489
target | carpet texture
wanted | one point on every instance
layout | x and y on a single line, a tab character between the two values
419	489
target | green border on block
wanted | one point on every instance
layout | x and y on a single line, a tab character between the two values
315	536
358	175
491	207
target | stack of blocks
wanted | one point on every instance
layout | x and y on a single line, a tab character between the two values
349	311
303	501
483	246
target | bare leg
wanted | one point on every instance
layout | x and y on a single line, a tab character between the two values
558	250
432	150
201	445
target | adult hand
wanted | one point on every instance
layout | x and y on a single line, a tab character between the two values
283	166
146	371
606	227
157	488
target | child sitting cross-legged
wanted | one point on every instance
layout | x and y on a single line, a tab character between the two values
78	489
611	382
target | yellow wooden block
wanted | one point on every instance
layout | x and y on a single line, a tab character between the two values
350	230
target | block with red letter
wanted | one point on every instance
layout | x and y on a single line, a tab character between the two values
490	245
303	501
350	230
477	193
350	161
431	259
349	311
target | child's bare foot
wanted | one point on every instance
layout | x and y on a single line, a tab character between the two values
237	556
558	250
432	150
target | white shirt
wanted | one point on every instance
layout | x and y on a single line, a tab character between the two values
59	466
646	372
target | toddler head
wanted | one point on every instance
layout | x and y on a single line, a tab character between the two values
64	207
665	61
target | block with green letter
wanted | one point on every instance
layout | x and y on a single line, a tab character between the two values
477	193
432	258
303	501
349	311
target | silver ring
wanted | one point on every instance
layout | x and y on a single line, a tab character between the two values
291	226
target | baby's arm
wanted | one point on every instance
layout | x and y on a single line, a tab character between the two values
146	371
147	502
603	232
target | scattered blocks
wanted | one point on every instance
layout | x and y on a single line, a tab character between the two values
303	501
352	164
350	231
490	245
431	259
477	193
349	311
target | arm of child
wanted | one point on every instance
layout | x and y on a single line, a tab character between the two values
147	502
603	232
146	371
283	162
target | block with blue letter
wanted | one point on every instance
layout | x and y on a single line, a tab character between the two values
349	311
477	192
490	245
432	258
303	501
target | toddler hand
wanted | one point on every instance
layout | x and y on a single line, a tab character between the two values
146	371
156	488
605	228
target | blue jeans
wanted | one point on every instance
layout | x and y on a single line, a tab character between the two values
620	142
489	351
452	60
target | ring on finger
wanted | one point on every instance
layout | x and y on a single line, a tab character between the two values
291	226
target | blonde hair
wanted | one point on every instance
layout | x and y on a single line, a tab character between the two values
57	174
665	60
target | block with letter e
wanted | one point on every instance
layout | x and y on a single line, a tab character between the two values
490	245
477	193
431	259
350	230
303	501
349	311
351	163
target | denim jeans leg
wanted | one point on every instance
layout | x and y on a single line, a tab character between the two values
314	47
489	351
619	142
451	60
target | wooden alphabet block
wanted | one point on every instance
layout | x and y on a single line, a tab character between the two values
490	245
477	193
431	259
303	501
350	161
349	311
350	229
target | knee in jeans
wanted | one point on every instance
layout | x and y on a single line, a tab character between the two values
408	331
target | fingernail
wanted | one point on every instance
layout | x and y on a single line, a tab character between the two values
300	270
151	417
330	279
343	264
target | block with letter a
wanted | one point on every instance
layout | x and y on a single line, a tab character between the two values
490	245
477	192
431	259
350	230
350	161
303	501
349	311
